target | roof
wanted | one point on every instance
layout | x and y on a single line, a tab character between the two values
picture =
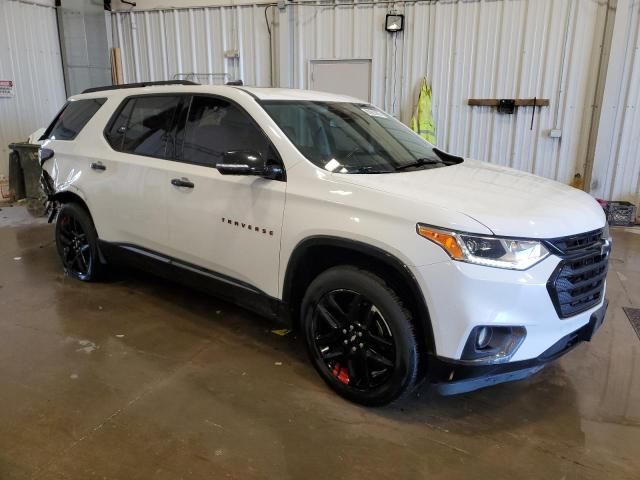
297	94
261	93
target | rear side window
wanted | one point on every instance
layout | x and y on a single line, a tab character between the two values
216	126
115	133
72	119
143	125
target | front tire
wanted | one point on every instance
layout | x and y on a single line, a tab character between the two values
77	243
359	336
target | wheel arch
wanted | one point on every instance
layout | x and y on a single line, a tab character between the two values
67	196
316	254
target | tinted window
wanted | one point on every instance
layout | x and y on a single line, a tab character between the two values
143	125
215	126
115	134
73	117
353	138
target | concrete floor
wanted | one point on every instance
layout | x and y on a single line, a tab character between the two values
141	378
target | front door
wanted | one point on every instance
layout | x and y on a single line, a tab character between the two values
230	225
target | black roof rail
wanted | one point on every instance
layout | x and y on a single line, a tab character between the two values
138	85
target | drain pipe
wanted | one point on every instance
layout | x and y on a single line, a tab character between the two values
134	38
561	88
598	95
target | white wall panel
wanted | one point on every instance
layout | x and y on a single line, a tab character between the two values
616	171
483	49
345	32
467	49
30	56
159	44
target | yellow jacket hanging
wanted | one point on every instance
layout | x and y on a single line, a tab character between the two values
422	121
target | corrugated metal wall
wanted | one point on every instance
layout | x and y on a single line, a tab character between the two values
160	44
467	48
30	56
616	171
510	49
476	49
344	32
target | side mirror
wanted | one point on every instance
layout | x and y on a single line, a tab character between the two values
273	171
241	162
247	162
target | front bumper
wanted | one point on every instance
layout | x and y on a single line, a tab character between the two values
452	377
461	296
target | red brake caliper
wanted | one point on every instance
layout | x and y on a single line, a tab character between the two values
341	373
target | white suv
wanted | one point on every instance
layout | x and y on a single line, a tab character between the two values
395	260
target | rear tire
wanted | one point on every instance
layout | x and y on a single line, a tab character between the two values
359	336
77	243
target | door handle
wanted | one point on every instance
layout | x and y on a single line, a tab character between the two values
182	182
98	166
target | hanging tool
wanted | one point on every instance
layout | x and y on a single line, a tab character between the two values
533	114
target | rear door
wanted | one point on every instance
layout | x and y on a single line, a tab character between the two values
74	136
230	225
141	131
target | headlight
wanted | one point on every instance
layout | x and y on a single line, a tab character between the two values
511	253
606	234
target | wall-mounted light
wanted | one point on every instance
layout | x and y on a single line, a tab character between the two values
394	23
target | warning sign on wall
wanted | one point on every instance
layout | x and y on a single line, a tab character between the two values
6	88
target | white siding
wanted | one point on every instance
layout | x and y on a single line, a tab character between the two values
467	49
160	44
30	56
346	32
616	171
477	49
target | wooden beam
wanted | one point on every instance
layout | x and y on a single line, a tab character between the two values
519	102
116	67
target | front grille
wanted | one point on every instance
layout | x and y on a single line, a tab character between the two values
575	243
577	283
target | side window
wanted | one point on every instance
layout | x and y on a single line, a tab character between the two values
143	126
115	134
73	117
215	126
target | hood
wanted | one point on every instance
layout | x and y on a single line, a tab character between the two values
507	201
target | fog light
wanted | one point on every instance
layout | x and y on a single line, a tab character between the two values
484	338
486	345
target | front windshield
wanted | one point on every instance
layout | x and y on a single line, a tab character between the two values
354	138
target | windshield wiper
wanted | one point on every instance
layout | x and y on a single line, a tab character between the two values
420	162
368	169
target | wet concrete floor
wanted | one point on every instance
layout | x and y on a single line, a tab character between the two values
139	378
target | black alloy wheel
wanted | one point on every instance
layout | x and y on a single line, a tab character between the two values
359	336
76	241
353	339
